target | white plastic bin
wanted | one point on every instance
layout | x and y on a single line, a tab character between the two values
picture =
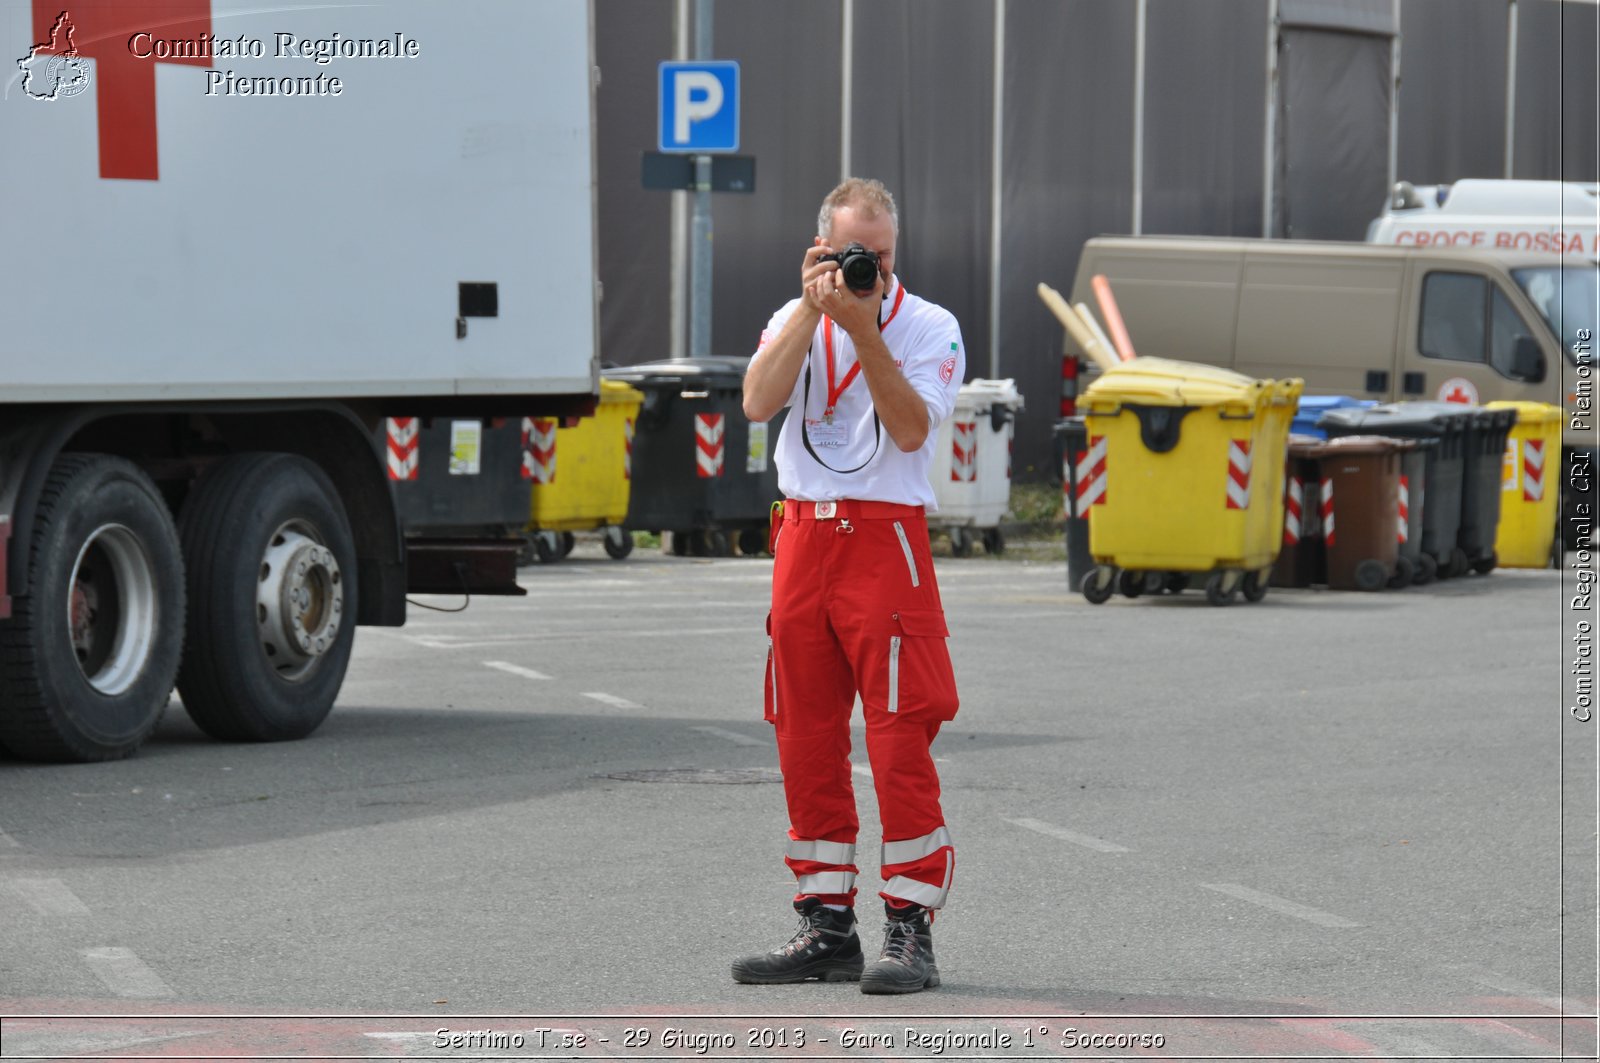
972	465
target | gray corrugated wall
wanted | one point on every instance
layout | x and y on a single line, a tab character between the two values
1556	78
1452	90
923	122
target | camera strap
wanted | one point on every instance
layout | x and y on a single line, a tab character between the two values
836	390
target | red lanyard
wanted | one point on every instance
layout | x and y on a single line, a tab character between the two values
835	392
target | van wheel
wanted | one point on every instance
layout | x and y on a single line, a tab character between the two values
272	593
88	657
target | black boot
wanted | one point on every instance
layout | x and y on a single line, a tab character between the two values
825	946
907	964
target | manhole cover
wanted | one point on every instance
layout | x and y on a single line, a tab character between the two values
724	777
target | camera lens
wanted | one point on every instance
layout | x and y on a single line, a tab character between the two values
859	267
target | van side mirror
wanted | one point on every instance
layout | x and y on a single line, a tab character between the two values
1527	360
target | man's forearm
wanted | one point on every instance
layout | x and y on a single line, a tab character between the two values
902	411
770	379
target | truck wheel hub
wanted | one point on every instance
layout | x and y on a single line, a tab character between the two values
299	601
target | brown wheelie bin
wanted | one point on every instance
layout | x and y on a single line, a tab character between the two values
1359	507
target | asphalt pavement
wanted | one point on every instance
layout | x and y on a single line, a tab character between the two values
1328	824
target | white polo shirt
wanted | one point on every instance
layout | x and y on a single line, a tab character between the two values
848	458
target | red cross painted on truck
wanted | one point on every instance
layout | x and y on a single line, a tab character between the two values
124	84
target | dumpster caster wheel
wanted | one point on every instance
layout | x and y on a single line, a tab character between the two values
1222	587
680	543
994	542
960	542
1459	565
1371	575
1254	586
717	543
619	543
1098	585
546	547
1485	565
1131	584
1405	573
1176	582
568	541
752	542
1427	570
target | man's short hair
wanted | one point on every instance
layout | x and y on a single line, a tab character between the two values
859	193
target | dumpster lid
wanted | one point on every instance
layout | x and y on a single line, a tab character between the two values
1531	413
1363	445
1166	382
1400	418
979	393
706	372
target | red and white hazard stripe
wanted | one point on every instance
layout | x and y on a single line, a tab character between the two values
627	448
1532	470
708	443
1405	508
1292	508
1092	475
539	449
1239	465
963	451
1327	511
402	446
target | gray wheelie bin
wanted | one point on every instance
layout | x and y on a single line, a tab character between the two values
1483	447
701	470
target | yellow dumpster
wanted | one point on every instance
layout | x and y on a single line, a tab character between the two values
1530	492
581	475
1188	464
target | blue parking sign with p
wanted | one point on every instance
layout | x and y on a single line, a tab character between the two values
699	106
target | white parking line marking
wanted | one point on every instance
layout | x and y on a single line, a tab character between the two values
47	896
1281	905
732	736
1088	841
124	973
515	669
612	700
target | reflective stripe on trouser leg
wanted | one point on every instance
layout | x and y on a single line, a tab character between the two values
919	870
821	866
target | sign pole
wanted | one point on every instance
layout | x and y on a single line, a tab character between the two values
700	224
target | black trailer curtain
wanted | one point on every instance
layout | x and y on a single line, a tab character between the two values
922	123
1333	130
1452	90
1556	82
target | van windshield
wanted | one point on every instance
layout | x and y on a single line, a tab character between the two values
1566	296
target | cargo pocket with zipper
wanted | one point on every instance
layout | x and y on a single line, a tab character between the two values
920	679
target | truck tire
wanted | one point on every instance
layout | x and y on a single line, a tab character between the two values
272	598
88	657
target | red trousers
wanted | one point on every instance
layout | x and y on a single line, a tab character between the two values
855	610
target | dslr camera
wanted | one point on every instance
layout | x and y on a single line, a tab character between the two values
859	266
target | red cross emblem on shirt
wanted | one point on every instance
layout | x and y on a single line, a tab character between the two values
124	84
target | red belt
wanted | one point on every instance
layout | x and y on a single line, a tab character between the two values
848	509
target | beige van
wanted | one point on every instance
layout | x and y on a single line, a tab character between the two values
1366	320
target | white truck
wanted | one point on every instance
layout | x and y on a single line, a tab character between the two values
1558	217
238	238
